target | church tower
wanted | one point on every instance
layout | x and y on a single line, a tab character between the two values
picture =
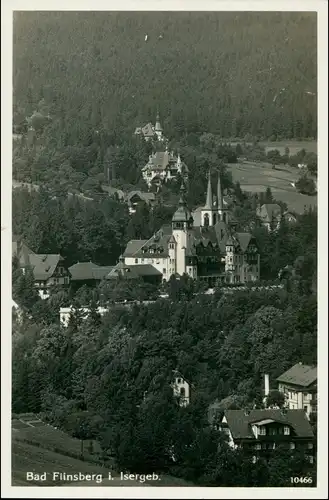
158	128
209	211
222	211
182	229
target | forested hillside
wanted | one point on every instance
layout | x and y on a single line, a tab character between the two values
228	73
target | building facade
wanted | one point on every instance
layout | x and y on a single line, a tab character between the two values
299	385
213	251
48	269
150	132
163	166
181	388
260	432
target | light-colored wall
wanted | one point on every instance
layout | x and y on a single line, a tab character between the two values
179	383
297	400
65	313
160	263
180	236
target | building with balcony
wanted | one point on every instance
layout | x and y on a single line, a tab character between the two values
260	432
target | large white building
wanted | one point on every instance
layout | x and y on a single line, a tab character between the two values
213	251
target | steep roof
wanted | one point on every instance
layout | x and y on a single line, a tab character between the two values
240	423
88	271
299	374
268	212
148	130
44	265
133	246
21	251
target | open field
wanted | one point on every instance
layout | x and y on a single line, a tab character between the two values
37	456
294	146
256	177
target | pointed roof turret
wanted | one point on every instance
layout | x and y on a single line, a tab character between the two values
182	213
209	199
158	127
219	193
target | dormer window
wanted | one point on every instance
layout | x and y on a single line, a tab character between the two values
286	430
262	431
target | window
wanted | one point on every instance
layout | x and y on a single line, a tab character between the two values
310	446
305	409
179	381
262	431
182	391
286	430
272	431
66	280
164	270
310	459
258	446
142	260
292	446
136	261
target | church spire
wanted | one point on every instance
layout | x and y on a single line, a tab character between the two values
158	127
209	200
219	194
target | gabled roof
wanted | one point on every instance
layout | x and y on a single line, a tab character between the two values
147	197
44	265
300	374
240	423
21	251
244	240
268	212
88	271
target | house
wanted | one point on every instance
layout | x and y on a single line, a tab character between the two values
213	251
21	251
87	273
150	132
48	269
289	217
299	384
163	166
135	198
261	431
270	215
181	388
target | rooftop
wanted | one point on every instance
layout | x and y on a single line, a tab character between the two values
299	374
239	422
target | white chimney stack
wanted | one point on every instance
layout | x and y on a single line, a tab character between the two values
267	384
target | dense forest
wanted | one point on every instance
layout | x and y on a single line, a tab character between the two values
84	81
229	73
109	378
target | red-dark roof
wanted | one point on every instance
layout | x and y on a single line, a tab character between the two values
239	422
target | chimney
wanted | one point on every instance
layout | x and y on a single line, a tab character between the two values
267	384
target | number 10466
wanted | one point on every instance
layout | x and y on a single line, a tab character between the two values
301	480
